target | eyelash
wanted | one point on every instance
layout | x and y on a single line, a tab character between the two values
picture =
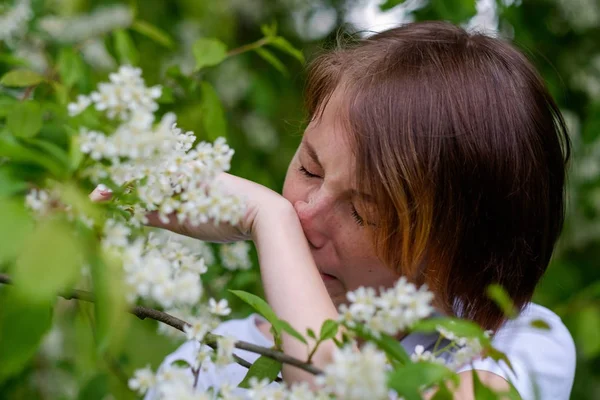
357	218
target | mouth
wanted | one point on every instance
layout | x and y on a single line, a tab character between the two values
327	277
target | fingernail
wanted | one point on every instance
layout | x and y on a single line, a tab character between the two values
101	187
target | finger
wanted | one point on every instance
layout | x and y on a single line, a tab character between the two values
101	193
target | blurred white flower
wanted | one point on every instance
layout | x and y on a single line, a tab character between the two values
143	379
225	346
79	28
220	308
235	256
394	310
355	375
421	355
38	200
13	22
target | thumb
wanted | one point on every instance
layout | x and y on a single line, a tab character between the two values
100	193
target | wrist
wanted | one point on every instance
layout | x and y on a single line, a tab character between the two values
279	214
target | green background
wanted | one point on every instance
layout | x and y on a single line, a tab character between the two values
264	121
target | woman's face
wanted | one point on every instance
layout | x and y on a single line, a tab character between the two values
319	184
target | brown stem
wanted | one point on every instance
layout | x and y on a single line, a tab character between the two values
27	92
249	47
210	340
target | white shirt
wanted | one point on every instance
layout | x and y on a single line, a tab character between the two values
543	360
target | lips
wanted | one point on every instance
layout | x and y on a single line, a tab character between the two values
327	277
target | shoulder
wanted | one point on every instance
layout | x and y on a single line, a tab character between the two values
543	359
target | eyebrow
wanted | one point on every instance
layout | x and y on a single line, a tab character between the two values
312	153
314	156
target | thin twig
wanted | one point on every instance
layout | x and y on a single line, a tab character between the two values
249	46
210	340
27	92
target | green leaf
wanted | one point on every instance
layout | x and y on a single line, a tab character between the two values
6	105
392	347
272	59
110	307
283	45
153	32
585	331
96	388
389	4
263	368
15	227
50	263
442	393
70	66
311	334
408	380
25	119
480	391
498	356
502	299
11	148
540	324
208	52
329	329
269	30
456	11
61	92
9	185
258	304
213	116
21	78
166	96
51	149
461	328
284	326
12	60
22	327
125	48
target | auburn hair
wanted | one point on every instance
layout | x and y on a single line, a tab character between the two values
464	152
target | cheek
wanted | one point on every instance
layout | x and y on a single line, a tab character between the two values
294	188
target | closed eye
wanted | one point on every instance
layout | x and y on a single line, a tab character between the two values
307	173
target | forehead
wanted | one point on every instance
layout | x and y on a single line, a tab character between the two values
328	132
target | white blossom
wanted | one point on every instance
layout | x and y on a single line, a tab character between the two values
356	374
394	310
235	256
81	104
225	346
79	28
421	355
39	201
220	308
13	22
143	379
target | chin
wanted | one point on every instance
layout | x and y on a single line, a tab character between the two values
337	292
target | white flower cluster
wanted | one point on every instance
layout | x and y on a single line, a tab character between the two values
355	375
469	348
42	202
235	256
160	159
13	22
461	350
394	310
79	28
38	200
159	269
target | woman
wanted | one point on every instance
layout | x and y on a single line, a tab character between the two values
431	154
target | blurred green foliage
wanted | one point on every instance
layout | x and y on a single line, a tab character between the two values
255	100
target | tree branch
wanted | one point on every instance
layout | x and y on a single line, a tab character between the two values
210	339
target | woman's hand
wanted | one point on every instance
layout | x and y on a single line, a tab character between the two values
259	201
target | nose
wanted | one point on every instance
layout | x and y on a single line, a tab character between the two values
312	215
